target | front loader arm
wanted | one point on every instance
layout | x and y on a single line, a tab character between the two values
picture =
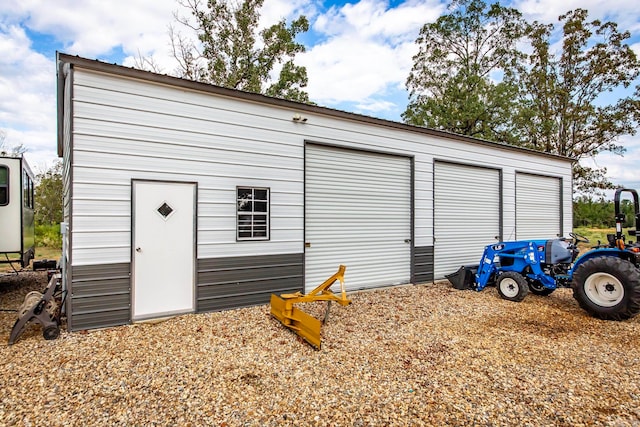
487	267
524	258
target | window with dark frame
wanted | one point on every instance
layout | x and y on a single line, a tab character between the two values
252	213
4	185
32	202
26	200
27	190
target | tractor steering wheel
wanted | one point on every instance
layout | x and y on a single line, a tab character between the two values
578	238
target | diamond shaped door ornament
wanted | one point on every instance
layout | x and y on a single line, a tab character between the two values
165	210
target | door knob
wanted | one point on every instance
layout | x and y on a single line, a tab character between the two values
138	250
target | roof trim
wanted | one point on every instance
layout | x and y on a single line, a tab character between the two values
95	65
23	163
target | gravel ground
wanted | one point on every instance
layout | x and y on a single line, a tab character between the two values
414	355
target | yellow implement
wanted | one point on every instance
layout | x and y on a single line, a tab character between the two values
308	327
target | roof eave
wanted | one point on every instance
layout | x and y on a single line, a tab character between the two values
104	67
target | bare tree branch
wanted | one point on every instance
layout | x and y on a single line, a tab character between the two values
147	63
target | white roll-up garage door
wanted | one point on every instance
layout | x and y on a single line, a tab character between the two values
466	214
357	213
538	206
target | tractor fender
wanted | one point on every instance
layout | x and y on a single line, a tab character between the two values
595	253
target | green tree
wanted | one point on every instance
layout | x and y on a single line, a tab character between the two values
588	212
600	213
565	106
48	195
452	84
232	52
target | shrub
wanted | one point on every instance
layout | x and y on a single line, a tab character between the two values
48	235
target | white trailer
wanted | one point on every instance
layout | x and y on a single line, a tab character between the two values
17	229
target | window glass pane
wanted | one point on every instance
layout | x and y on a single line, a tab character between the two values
25	189
245	205
245	196
260	219
244	219
31	194
4	185
260	233
260	206
245	193
261	194
244	232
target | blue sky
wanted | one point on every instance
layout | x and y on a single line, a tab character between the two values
358	55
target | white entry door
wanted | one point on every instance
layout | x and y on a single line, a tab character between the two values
163	248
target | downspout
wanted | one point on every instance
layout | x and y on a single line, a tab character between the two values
60	74
63	263
61	71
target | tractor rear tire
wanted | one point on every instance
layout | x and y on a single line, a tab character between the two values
608	288
537	288
512	286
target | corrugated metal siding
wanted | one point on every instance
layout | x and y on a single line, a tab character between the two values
123	126
126	130
538	206
422	264
100	296
67	179
357	213
467	214
231	282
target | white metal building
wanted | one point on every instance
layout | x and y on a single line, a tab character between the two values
186	197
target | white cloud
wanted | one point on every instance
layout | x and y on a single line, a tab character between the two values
274	10
41	146
348	69
374	19
375	106
27	95
621	170
367	48
623	12
94	27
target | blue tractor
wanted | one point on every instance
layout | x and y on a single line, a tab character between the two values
605	280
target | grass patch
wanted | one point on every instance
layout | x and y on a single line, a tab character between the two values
47	252
598	234
594	234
